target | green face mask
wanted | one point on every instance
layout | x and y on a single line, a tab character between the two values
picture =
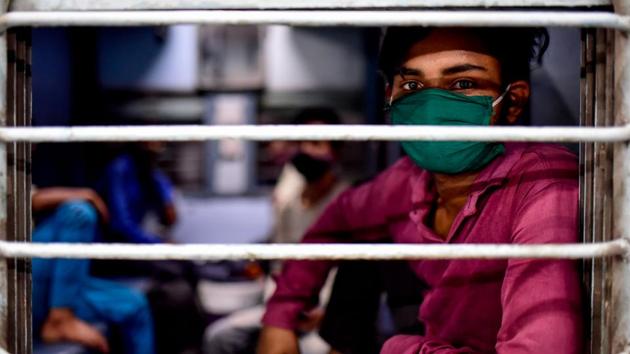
442	107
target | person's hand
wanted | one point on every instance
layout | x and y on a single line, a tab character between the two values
275	340
170	215
311	320
98	203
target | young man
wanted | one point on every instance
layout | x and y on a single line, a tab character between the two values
315	162
459	192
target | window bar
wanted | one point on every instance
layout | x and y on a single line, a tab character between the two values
607	216
378	251
619	335
320	132
319	18
83	5
27	210
5	279
602	184
586	180
11	224
22	205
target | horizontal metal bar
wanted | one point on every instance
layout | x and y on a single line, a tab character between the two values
83	5
312	132
319	18
217	252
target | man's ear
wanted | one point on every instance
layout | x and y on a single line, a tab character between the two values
517	100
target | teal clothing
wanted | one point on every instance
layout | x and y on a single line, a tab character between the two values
66	283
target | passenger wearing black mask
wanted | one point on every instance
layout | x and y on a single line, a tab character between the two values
315	162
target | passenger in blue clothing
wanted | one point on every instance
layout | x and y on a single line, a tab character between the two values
66	298
132	188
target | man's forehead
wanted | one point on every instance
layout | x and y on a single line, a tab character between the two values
448	62
448	39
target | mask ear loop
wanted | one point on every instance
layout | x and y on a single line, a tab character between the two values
500	98
388	104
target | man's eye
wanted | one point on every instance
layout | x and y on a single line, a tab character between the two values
463	85
411	86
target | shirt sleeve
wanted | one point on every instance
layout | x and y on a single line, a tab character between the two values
121	219
163	188
357	215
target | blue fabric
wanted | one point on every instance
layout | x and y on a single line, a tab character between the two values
129	197
66	283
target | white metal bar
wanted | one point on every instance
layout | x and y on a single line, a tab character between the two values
311	251
318	18
619	301
83	5
313	132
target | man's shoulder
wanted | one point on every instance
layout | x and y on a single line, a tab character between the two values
404	166
544	164
394	175
536	156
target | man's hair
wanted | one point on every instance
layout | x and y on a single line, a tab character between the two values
324	115
514	48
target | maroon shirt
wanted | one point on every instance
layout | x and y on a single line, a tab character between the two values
528	195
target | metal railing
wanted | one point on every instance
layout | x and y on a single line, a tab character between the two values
315	132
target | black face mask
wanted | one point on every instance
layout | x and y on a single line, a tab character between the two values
311	168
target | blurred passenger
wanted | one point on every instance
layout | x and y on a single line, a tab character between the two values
461	193
298	201
134	188
67	300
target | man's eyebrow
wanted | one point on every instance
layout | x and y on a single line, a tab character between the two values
404	71
462	68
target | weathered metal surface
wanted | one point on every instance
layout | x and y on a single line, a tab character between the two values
319	18
21	320
56	5
608	195
312	251
620	291
596	181
587	85
27	209
319	132
11	225
22	326
4	281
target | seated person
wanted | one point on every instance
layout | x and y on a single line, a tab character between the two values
66	299
133	188
458	193
321	182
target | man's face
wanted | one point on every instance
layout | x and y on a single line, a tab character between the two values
450	59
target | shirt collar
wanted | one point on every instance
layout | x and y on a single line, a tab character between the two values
493	175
